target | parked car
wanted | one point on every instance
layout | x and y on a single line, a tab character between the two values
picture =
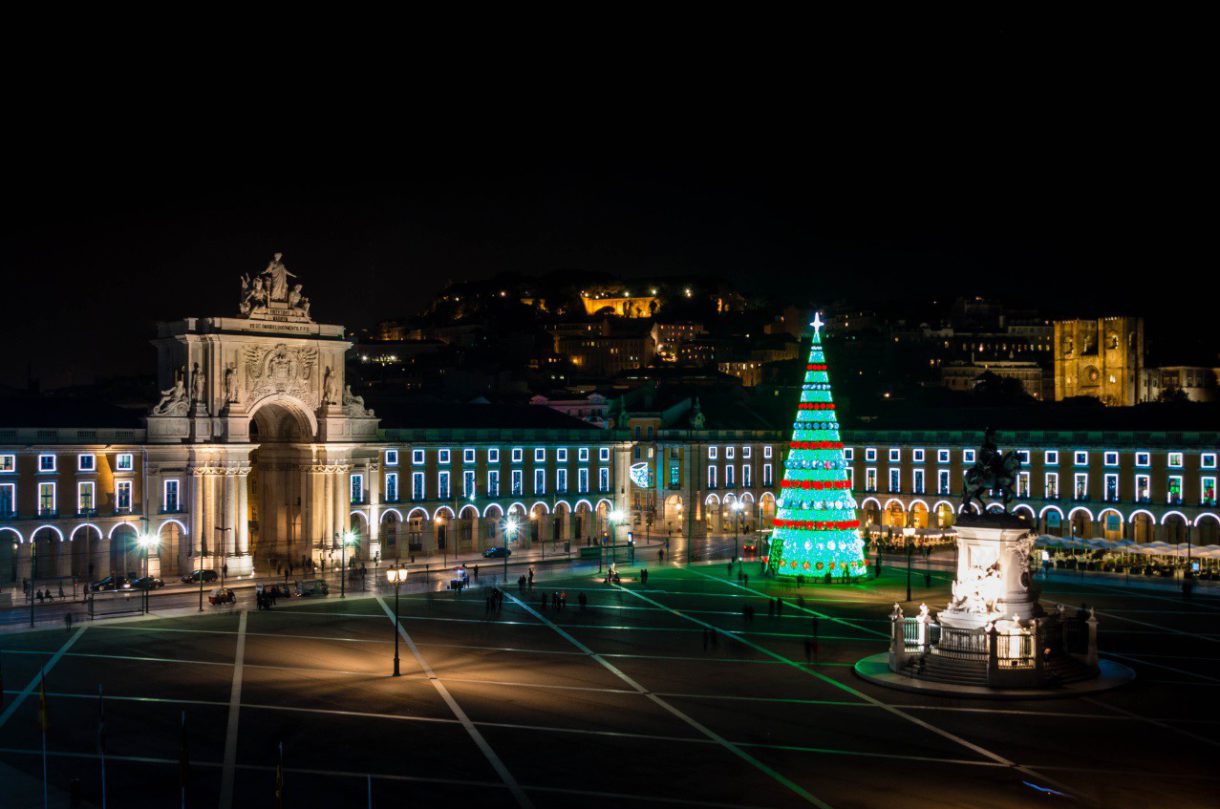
222	595
497	553
313	587
206	576
110	583
146	583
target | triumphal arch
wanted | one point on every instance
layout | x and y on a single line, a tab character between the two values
256	417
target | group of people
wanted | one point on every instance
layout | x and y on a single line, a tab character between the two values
265	597
557	600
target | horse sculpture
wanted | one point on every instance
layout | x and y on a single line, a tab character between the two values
992	472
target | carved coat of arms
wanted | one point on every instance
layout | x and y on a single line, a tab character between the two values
281	370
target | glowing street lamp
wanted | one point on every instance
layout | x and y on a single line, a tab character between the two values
346	538
147	542
397	577
511	526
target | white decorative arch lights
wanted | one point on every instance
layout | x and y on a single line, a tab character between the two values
421	510
545	510
1145	512
120	525
496	506
171	521
867	500
448	512
20	538
1055	509
387	512
34	534
609	505
72	536
1027	507
1207	515
583	502
1072	513
472	510
1169	514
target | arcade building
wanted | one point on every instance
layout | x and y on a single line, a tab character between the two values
259	454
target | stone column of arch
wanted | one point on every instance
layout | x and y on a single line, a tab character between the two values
243	512
372	543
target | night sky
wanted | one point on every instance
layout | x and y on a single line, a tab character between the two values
1073	205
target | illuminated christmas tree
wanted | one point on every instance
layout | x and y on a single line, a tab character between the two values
815	529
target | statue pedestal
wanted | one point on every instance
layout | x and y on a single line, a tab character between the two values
993	581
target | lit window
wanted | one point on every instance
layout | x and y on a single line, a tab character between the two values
417	456
603	480
745	452
1080	458
561	455
125	462
122	495
518	483
391	457
442	456
493	455
895	480
85	502
711	477
942	456
468	484
711	453
518	455
1081	489
46	498
767	451
1142	489
895	455
942	481
1110	458
417	486
86	462
1023	456
468	456
967	456
917	481
603	453
768	479
1051	458
870	454
391	487
870	479
357	488
539	454
849	454
583	454
442	485
1175	460
8	463
1207	491
493	483
1175	490
1110	494
917	455
1052	486
1207	460
561	481
46	463
169	497
8	499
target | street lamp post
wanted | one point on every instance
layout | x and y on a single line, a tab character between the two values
344	540
223	565
444	541
736	526
510	530
147	542
397	577
615	517
908	535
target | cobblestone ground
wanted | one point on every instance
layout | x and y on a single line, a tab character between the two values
630	701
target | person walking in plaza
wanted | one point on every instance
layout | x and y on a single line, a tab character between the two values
730	571
68	621
531	577
583	601
770	607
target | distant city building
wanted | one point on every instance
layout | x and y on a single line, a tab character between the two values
748	371
963	376
593	408
1101	358
1196	384
620	305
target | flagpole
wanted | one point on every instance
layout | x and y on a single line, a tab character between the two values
101	739
43	716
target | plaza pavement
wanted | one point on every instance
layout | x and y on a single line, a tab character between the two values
624	704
